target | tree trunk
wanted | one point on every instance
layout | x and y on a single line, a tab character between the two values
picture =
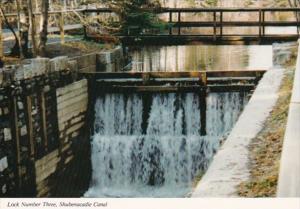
19	30
1	40
32	27
25	29
44	31
16	48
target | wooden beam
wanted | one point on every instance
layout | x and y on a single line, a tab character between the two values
235	23
147	102
203	75
30	127
149	89
203	107
195	10
44	123
174	89
170	21
16	137
232	39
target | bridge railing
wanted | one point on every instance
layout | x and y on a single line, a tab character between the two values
289	176
218	21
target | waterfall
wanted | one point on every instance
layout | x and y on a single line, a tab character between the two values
162	160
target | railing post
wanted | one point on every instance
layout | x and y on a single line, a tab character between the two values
170	21
179	20
260	21
215	25
221	23
263	23
61	28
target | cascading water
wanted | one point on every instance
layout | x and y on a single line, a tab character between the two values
163	159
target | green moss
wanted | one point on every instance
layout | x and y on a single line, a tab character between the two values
212	2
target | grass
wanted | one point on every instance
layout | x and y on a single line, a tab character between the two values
71	49
76	48
265	150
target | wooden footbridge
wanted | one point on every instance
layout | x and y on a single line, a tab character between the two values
261	19
216	20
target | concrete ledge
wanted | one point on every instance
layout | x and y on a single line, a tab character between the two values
289	176
230	165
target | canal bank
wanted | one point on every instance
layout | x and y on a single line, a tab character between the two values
256	174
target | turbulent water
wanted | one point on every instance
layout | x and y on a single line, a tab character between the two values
162	159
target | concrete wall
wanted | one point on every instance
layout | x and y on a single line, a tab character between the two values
110	61
230	165
105	61
289	176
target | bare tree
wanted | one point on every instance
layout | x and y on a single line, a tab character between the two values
16	48
32	27
44	31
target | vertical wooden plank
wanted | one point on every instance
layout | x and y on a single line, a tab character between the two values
61	28
215	25
44	123
179	20
203	107
16	136
203	79
147	101
170	21
29	126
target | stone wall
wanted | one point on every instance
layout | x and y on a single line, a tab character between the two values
106	61
110	61
43	104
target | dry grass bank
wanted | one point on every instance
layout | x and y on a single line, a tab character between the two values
70	49
265	150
